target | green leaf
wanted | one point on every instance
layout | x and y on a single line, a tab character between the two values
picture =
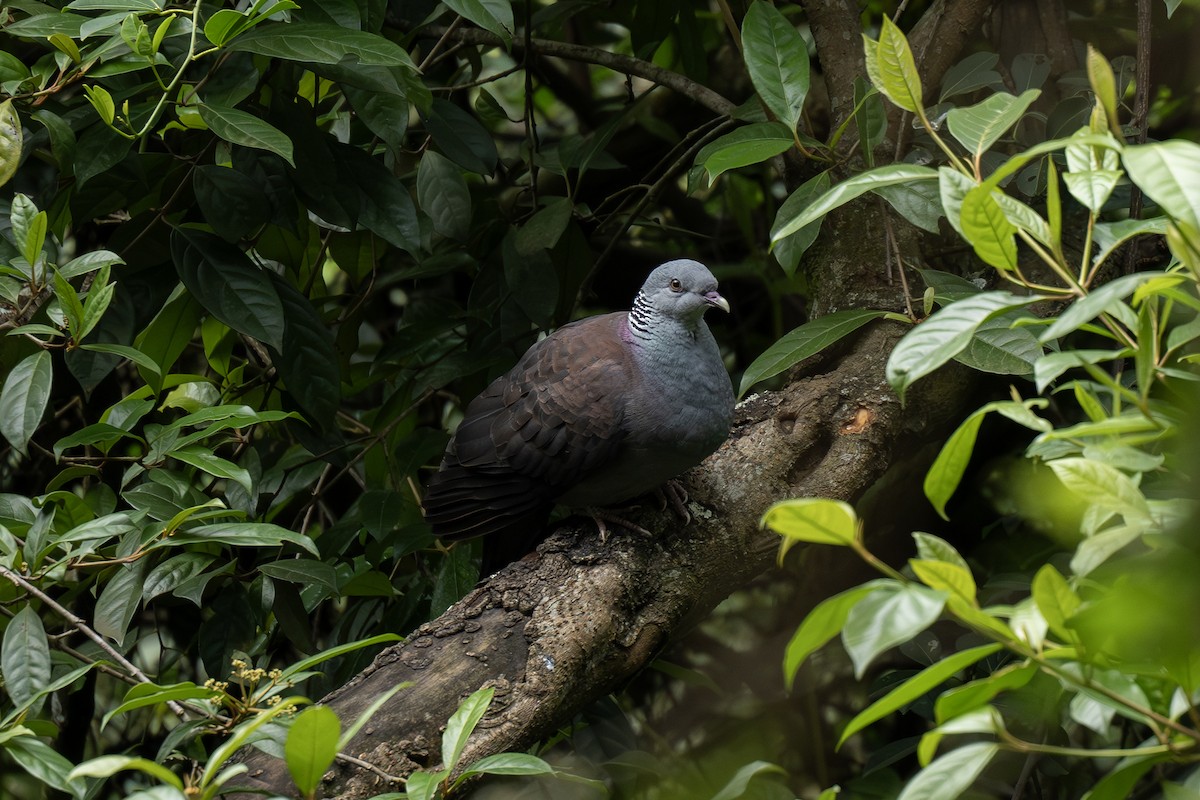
947	470
969	75
1096	302
239	127
813	519
777	60
124	351
934	548
953	579
377	703
89	262
308	361
461	137
915	687
241	534
456	576
1169	173
1055	599
953	187
150	694
980	126
305	664
241	735
944	335
11	139
988	229
822	624
971	696
442	194
424	785
850	189
543	230
1118	784
321	43
102	101
737	785
107	766
231	201
312	744
788	249
118	600
892	69
803	342
509	764
24	398
25	656
1102	486
950	775
495	16
44	763
28	228
68	300
1001	349
303	571
1104	85
889	616
750	144
228	285
205	461
462	724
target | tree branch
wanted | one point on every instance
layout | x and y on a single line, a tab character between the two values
617	62
569	624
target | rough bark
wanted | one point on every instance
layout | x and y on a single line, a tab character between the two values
555	631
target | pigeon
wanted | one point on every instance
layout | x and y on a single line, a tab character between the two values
602	410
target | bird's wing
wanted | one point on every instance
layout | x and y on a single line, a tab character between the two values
535	432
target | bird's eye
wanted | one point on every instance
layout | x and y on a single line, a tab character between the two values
676	285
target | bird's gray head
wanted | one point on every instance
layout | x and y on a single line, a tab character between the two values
681	289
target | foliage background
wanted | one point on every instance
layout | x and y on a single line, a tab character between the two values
257	255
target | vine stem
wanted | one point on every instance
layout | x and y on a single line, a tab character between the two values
80	625
191	56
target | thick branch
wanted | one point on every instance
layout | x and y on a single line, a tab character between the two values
567	625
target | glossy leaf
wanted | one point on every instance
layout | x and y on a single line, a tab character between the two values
509	764
1169	174
442	194
495	16
239	127
950	775
228	285
107	766
308	361
302	571
850	189
461	138
973	73
980	126
1104	85
44	763
823	623
915	687
892	69
750	144
321	43
119	599
1101	485
1055	599
889	616
988	229
25	656
813	519
312	744
24	398
777	60
243	534
1002	349
944	335
144	695
788	249
803	342
462	724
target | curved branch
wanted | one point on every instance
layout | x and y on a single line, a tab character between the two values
569	624
617	62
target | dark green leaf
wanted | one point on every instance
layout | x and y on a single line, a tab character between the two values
455	577
789	249
302	571
807	340
25	656
822	624
848	190
243	534
10	141
228	285
321	43
460	136
239	127
24	397
737	785
43	762
99	149
233	203
443	195
747	145
173	572
777	60
491	15
307	361
120	597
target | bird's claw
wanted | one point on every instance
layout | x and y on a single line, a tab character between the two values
674	495
600	516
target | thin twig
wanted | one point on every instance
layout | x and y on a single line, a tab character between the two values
80	625
1141	113
369	767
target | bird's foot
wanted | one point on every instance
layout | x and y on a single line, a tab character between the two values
602	516
674	495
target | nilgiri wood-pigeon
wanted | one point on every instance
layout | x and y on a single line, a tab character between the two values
602	410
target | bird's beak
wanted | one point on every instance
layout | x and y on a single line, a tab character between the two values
715	299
